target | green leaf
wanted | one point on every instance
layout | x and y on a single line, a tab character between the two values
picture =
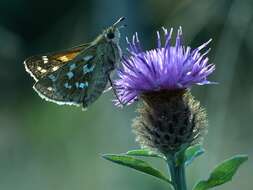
222	173
136	164
145	153
193	152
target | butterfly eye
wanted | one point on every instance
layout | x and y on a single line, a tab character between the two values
110	35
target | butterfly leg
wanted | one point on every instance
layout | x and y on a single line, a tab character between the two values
114	91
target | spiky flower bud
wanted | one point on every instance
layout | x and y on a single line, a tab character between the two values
170	119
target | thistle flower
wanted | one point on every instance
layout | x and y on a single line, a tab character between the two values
170	118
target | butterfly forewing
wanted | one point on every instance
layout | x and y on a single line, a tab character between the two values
41	65
68	85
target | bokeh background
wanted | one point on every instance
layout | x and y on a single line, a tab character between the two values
44	146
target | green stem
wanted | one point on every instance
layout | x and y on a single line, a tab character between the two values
177	172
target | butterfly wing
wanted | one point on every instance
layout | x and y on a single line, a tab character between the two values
68	84
39	66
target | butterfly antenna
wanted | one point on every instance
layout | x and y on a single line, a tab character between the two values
119	20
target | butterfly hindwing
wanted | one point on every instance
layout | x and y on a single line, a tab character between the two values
41	65
68	85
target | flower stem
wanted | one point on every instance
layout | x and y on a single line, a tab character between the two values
177	172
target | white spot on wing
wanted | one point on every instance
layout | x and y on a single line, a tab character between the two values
83	85
43	70
87	57
66	85
70	74
72	66
55	68
45	59
52	77
87	70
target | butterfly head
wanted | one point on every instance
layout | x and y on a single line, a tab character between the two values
112	33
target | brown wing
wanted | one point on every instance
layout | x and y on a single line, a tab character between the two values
39	66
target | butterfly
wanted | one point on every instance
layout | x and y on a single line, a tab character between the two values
79	75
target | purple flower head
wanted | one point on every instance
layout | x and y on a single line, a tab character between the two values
167	67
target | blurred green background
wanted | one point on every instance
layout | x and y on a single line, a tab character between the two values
44	146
